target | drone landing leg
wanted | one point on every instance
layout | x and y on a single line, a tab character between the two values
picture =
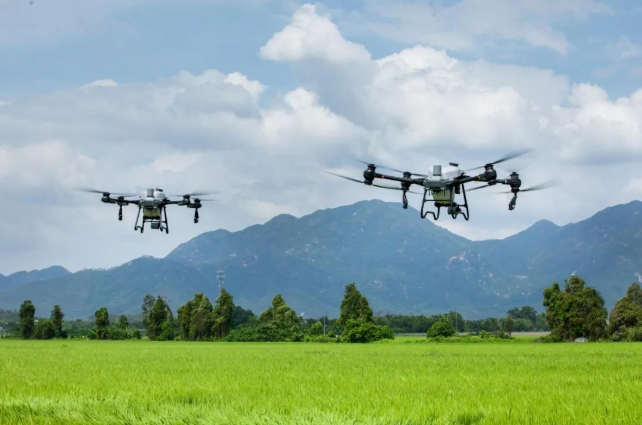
166	221
120	213
425	214
405	200
137	217
465	206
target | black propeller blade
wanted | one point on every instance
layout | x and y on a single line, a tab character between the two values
189	195
374	184
479	187
507	157
104	192
545	185
391	169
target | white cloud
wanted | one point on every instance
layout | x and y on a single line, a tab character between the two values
625	49
465	24
312	36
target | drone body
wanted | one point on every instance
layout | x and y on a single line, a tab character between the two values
153	205
442	184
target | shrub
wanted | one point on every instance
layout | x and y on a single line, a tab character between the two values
136	334
634	334
45	329
359	331
442	327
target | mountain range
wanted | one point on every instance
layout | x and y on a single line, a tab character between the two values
401	263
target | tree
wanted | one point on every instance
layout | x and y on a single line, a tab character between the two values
526	313
56	319
240	316
280	321
354	307
185	319
45	329
201	318
506	325
577	311
222	314
102	323
441	328
627	312
27	319
634	294
148	304
160	321
122	323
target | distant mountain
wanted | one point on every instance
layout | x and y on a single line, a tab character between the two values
403	265
16	279
605	249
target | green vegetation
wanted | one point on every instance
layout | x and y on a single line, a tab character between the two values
393	383
575	312
626	318
442	327
27	319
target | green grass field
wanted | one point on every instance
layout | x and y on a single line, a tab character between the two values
142	382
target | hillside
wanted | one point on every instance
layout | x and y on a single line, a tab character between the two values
403	265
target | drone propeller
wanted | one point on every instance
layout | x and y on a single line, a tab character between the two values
507	157
105	193
391	169
197	200
189	195
373	184
479	187
545	185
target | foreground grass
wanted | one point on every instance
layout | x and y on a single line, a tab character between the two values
141	382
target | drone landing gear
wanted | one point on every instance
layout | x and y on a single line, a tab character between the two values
159	222
454	209
513	202
405	200
120	213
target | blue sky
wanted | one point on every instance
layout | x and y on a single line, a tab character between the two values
151	40
256	98
147	41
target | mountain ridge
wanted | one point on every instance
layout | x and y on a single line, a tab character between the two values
403	264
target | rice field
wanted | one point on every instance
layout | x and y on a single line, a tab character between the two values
142	382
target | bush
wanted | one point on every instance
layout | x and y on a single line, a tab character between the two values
634	334
441	328
264	332
358	331
319	338
116	333
45	329
136	334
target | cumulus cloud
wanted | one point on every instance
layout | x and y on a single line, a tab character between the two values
312	36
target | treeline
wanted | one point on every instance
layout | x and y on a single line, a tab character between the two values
573	311
524	319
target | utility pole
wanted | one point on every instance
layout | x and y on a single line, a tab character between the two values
324	314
